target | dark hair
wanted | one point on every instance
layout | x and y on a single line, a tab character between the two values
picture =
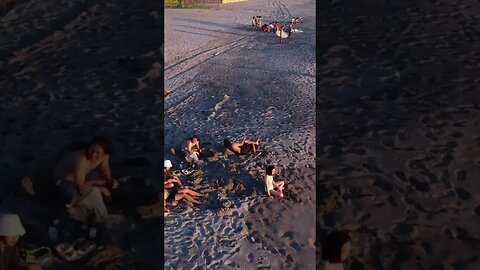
103	142
332	246
253	17
269	170
195	137
227	143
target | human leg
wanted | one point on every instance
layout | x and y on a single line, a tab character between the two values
280	184
191	192
187	197
277	193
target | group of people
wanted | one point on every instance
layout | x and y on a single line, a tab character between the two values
256	22
175	191
274	26
79	175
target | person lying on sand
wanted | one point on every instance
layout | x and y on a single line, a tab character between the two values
335	250
176	191
192	149
11	229
80	171
272	187
242	148
297	20
271	27
266	28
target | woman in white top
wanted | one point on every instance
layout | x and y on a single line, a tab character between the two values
270	185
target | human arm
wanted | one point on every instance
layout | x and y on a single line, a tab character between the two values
106	172
189	147
83	187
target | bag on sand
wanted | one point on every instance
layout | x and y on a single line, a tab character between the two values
78	209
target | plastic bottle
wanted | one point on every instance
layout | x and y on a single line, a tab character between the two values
92	227
53	232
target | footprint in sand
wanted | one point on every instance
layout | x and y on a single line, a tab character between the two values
463	194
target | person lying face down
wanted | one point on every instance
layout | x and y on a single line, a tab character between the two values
335	250
243	147
11	229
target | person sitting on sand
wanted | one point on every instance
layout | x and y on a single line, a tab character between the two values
335	250
266	28
11	229
275	26
176	191
271	27
270	185
81	170
242	148
254	23
192	149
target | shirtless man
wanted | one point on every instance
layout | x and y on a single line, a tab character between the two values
81	170
242	148
192	150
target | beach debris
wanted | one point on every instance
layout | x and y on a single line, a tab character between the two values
41	255
166	92
124	178
76	250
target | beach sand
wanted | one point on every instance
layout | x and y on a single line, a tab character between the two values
72	70
223	80
397	121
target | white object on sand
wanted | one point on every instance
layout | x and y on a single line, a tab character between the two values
281	34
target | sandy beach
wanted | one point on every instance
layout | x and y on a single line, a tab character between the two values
397	122
223	79
72	70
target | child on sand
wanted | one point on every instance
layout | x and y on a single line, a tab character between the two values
270	185
10	231
254	23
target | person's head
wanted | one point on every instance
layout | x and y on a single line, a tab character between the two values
253	17
98	148
270	170
10	229
227	143
167	165
195	139
336	247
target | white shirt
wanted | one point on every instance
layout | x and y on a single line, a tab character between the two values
269	182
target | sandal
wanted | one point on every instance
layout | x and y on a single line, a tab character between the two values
75	251
41	255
